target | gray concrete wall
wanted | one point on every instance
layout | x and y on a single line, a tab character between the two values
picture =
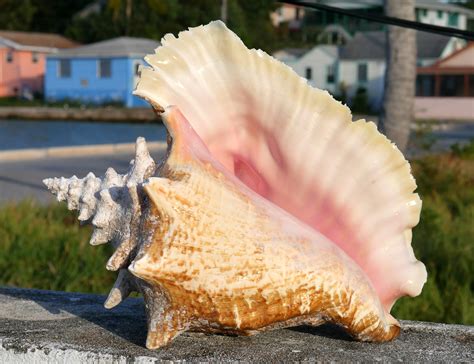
96	114
58	327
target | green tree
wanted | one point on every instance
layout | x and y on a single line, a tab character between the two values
54	16
140	18
17	14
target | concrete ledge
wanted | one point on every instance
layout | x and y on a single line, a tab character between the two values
75	113
77	151
59	327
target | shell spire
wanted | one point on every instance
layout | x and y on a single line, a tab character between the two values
112	206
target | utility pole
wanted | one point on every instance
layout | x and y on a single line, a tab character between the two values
224	11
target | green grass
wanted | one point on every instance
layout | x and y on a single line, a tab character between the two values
44	247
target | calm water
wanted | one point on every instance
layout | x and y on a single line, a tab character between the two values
20	134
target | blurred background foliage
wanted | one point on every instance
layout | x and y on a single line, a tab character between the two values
443	239
44	246
89	21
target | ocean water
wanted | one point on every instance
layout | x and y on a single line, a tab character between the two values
22	134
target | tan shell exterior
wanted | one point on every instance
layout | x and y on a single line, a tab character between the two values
228	263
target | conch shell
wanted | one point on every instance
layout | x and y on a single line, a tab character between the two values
271	209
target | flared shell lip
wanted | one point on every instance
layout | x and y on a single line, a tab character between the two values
165	108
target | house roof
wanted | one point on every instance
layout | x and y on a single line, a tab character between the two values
371	45
330	50
463	57
116	47
22	40
295	52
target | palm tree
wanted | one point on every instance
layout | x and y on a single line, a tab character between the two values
400	75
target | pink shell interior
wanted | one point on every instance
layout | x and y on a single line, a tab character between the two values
297	147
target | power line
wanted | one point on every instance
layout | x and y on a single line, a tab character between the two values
452	32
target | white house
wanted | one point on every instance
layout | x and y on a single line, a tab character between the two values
362	61
318	65
442	14
335	28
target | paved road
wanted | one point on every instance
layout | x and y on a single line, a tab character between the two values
23	179
449	134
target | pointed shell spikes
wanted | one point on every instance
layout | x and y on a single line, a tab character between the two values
123	286
88	200
112	205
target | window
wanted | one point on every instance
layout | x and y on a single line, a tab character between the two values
64	70
105	68
9	56
331	74
452	85
297	14
34	57
440	14
425	85
309	73
470	86
453	19
362	72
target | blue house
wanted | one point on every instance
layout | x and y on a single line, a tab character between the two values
98	73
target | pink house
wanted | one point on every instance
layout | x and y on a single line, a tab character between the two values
445	89
23	60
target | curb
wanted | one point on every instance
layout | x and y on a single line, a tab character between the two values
79	151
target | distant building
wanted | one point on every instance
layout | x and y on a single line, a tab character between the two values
288	14
362	61
446	15
318	65
289	55
445	89
102	72
426	11
23	60
360	64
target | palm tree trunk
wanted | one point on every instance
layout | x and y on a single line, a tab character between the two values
400	75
